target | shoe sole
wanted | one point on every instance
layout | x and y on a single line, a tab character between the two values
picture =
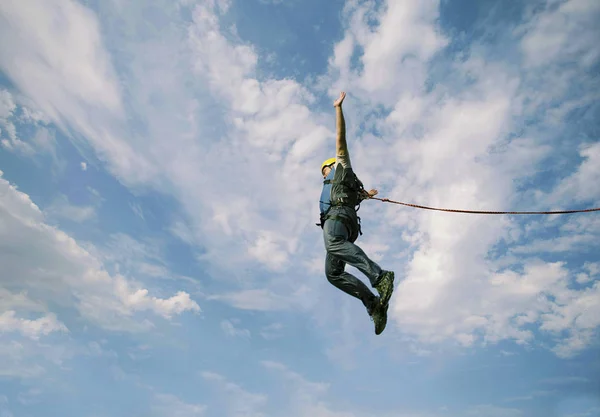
384	325
383	312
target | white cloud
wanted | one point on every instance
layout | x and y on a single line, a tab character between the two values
565	33
83	166
67	72
8	130
230	329
272	331
385	51
251	300
300	398
305	398
182	231
269	117
236	401
446	147
133	257
15	118
137	209
169	405
531	396
576	187
51	265
61	208
10	301
269	248
28	358
30	328
258	299
30	396
450	149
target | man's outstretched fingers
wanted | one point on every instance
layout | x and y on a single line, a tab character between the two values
339	101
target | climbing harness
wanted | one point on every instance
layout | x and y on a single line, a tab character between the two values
351	190
387	200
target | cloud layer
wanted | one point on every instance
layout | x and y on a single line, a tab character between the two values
171	100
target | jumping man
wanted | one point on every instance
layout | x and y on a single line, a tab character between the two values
342	192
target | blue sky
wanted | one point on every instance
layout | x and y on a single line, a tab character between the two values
159	192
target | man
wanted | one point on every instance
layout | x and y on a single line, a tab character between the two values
342	192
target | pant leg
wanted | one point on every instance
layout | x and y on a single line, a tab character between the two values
336	236
334	271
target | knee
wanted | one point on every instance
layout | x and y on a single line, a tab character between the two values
334	279
333	274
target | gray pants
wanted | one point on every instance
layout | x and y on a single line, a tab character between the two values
341	251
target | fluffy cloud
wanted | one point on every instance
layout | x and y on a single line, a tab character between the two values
451	149
30	328
372	32
50	265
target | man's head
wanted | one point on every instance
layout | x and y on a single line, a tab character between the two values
326	166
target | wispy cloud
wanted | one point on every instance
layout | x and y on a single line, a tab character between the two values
272	331
235	400
531	396
62	208
261	300
230	329
172	406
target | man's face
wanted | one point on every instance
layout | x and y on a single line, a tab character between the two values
326	171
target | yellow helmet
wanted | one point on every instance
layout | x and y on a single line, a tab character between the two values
327	162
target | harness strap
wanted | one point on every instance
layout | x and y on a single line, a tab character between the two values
346	221
354	185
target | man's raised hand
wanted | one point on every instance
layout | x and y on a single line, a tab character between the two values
338	102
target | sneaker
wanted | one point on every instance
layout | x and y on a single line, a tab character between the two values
385	287
379	317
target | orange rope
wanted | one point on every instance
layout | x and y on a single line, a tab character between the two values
387	200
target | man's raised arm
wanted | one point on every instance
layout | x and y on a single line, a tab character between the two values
341	146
